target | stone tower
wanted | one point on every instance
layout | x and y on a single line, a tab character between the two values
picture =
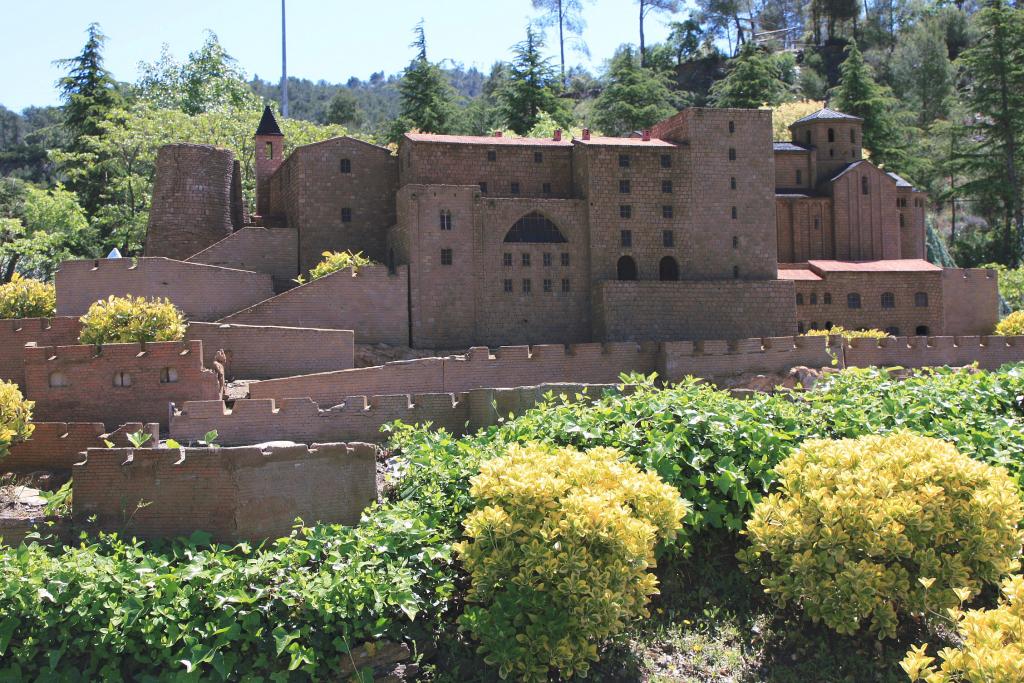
193	202
269	156
834	137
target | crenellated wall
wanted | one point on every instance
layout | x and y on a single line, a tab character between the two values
371	300
720	357
16	332
990	352
57	446
85	383
249	493
202	292
264	351
508	366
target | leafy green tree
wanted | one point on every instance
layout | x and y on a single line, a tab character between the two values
634	97
484	113
685	39
860	95
753	80
722	17
835	13
427	99
991	152
568	16
646	8
344	109
531	87
88	93
922	72
38	229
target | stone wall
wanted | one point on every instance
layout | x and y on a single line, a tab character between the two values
263	250
234	494
720	358
193	204
970	300
917	352
15	333
201	291
666	311
83	384
805	228
57	446
263	351
866	224
371	301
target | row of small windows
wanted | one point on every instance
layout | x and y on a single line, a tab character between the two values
527	285
668	239
538	157
668	269
625	161
513	187
506	259
121	378
886	300
901	203
625	188
667	211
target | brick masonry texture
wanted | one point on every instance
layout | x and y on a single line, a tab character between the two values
193	204
15	333
970	300
235	494
990	352
263	351
371	301
81	383
57	446
202	292
273	251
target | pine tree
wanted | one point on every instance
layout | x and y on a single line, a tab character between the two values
646	7
860	95
922	72
568	15
991	155
427	99
633	98
88	93
753	80
531	87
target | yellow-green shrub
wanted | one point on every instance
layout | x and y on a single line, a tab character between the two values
992	647
131	319
1011	325
15	416
338	260
838	331
24	297
867	531
559	547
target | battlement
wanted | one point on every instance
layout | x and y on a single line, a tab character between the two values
248	493
718	358
989	352
57	446
15	333
970	273
78	353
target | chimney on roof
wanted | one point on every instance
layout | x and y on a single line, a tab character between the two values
558	135
586	133
497	133
647	135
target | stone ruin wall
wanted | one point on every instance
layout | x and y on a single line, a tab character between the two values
57	446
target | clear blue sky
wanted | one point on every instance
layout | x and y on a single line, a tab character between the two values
327	39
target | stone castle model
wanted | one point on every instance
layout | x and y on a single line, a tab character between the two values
698	247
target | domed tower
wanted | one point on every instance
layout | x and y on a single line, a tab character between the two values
834	137
192	200
269	157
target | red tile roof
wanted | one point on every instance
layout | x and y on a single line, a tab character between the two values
885	266
631	142
797	274
487	140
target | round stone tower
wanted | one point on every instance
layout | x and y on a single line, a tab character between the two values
192	200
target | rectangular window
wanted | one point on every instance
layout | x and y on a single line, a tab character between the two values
346	215
526	286
492	155
666	186
547	260
732	127
538	157
732	154
346	165
506	260
514	187
446	257
565	259
735	242
668	238
508	285
625	211
446	219
799	177
623	161
624	187
526	260
545	188
666	161
666	211
547	285
268	150
732	183
734	213
627	238
483	188
565	284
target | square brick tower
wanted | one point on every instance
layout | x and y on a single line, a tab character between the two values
269	157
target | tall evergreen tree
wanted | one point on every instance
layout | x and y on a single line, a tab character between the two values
88	93
568	16
922	72
427	99
633	98
531	87
753	80
860	95
646	7
993	135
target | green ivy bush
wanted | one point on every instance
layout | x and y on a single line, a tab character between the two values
1012	325
866	533
15	416
121	320
27	298
839	331
559	548
334	261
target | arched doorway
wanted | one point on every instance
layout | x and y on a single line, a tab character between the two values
627	268
668	269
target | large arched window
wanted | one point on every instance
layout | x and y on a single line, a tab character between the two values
627	268
535	227
668	269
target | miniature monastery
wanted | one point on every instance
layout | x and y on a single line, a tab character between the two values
698	247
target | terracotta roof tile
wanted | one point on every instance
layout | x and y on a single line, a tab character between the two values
882	266
486	140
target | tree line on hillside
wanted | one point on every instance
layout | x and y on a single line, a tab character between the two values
940	86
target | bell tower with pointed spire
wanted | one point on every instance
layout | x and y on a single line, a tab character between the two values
269	156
